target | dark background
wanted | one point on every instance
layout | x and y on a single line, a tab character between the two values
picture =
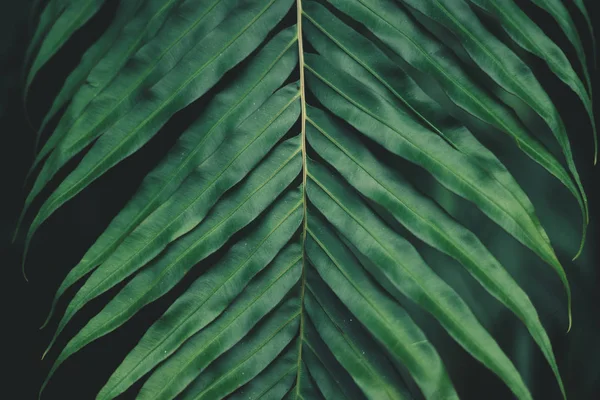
61	242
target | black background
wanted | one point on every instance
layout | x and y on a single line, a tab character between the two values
61	242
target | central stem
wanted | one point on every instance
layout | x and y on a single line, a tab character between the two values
302	100
304	174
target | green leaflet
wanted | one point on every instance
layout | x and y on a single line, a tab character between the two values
529	36
401	269
364	110
347	340
561	15
501	64
231	215
266	72
241	316
201	190
305	386
212	57
273	382
424	219
391	25
141	28
329	375
72	16
248	358
345	48
384	318
298	284
126	11
583	9
46	20
206	299
177	40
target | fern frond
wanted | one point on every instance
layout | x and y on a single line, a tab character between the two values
286	196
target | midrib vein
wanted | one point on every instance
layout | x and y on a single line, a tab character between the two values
304	178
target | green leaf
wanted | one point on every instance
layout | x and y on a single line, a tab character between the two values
176	217
125	12
206	299
586	15
273	382
194	147
529	36
290	216
365	110
563	18
305	386
425	219
395	28
169	269
242	315
211	59
66	17
384	318
400	269
328	374
50	12
345	48
142	27
501	64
